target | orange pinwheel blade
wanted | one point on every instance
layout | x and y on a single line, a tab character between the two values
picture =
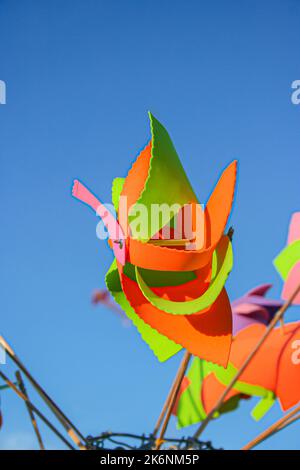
183	386
212	390
288	382
273	366
136	178
219	205
159	258
207	335
262	369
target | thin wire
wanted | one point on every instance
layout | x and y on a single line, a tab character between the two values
147	442
175	391
62	418
30	412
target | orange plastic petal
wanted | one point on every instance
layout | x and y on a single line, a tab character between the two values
135	181
262	369
183	386
272	367
207	335
158	258
288	382
219	205
211	391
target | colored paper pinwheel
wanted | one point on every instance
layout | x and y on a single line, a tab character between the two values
170	286
274	372
102	296
254	307
287	262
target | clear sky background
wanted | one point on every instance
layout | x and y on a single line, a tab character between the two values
81	76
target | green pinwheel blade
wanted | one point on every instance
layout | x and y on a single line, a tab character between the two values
167	183
162	347
268	398
117	186
263	406
160	278
190	409
288	257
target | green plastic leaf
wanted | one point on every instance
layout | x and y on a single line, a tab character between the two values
285	261
162	347
167	182
190	409
226	375
160	278
223	267
117	186
268	398
263	406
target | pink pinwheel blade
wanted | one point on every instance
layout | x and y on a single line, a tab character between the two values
294	230
291	284
116	235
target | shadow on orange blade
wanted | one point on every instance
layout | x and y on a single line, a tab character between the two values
207	334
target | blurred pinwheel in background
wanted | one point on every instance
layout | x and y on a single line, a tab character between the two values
102	297
254	307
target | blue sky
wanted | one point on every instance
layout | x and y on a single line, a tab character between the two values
81	76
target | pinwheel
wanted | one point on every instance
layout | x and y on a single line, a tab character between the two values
254	307
274	373
102	296
287	262
171	287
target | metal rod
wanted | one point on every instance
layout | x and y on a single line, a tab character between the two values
73	432
30	412
36	411
180	374
276	427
